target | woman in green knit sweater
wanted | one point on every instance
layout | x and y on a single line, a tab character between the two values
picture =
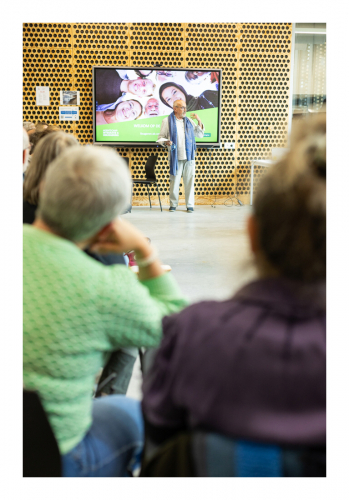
76	311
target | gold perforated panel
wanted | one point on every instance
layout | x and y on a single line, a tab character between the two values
157	43
47	61
263	92
258	173
255	59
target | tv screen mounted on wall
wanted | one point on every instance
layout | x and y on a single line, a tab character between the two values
129	104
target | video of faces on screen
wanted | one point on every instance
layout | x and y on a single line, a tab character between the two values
131	103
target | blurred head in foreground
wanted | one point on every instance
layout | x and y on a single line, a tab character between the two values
83	191
288	227
46	151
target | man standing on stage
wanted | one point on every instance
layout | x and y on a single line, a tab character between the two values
181	132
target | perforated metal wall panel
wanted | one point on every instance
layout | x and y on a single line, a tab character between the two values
255	59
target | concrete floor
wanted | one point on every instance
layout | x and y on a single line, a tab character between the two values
207	250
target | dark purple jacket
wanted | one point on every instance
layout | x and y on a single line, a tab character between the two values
252	367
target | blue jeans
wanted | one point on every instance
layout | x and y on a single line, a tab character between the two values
114	442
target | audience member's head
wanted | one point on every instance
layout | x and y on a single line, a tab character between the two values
288	229
29	127
40	126
34	138
84	190
26	147
46	151
51	128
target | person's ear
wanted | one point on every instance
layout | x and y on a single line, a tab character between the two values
252	232
103	233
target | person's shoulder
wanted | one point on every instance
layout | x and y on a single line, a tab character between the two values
199	326
29	230
165	124
115	275
210	94
197	316
115	284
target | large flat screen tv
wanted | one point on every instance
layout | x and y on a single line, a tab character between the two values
129	104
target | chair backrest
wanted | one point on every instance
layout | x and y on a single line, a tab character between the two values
41	457
201	454
219	456
150	168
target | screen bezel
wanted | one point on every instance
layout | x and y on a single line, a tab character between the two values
152	144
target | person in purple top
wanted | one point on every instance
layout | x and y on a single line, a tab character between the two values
254	367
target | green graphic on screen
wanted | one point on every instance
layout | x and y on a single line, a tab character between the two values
147	130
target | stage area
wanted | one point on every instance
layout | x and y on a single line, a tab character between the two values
207	250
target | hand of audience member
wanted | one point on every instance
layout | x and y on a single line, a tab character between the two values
120	236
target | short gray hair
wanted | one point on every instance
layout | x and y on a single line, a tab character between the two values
84	189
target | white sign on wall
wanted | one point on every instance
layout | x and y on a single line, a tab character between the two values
42	96
69	113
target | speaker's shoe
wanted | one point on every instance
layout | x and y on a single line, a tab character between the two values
190	210
172	209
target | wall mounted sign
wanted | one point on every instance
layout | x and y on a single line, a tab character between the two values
69	113
69	97
42	96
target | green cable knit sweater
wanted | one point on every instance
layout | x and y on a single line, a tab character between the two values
75	310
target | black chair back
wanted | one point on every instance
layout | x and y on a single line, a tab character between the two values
201	454
150	168
41	457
